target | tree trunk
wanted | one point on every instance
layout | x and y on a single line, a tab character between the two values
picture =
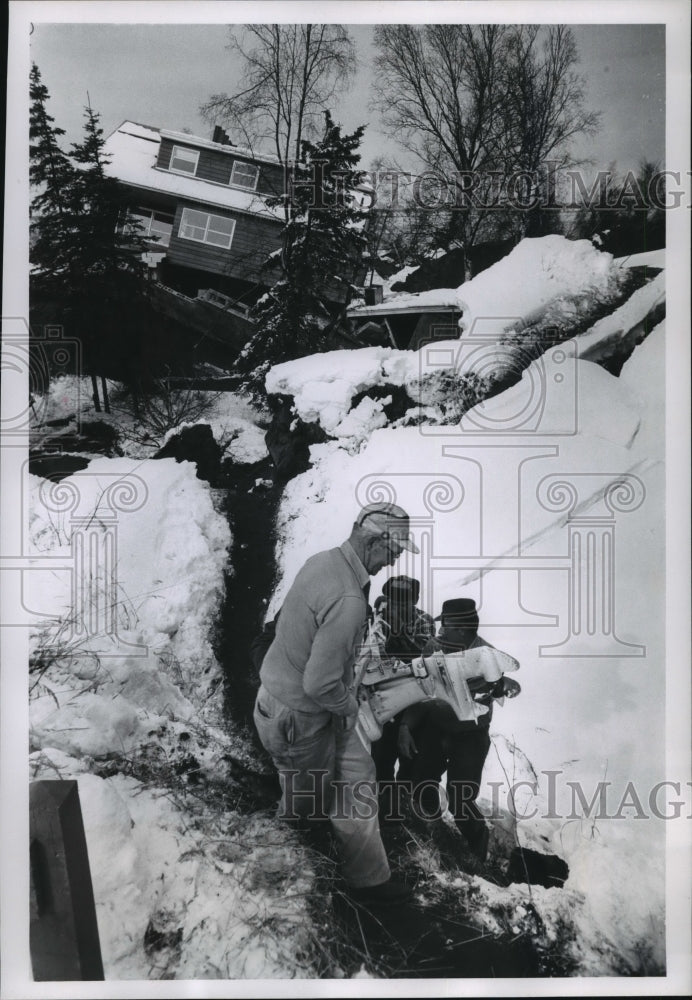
468	270
104	390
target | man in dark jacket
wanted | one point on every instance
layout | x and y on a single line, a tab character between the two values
405	630
435	741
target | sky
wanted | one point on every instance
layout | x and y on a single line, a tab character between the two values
160	74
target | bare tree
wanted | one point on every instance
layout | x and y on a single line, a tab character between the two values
543	110
476	103
290	72
439	91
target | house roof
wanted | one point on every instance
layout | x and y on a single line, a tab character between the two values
133	149
437	300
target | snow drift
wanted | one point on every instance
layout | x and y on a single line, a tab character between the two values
516	501
511	313
515	505
183	883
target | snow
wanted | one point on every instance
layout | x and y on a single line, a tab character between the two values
130	715
547	273
647	363
608	331
362	420
513	289
234	424
480	501
535	272
228	893
651	258
392	302
591	387
234	421
214	888
400	275
158	575
324	384
133	161
613	698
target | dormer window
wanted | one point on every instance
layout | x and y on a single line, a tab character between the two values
244	175
184	160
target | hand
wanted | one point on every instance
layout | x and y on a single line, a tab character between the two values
406	743
483	692
511	688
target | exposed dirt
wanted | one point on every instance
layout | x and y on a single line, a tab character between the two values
252	499
436	934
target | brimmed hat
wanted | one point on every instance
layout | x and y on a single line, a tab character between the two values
401	590
460	612
388	518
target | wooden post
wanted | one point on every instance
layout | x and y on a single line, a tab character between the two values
63	930
95	394
104	391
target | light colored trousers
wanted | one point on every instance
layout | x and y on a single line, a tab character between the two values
325	771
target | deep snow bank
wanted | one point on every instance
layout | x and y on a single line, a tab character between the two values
533	274
546	505
510	312
171	550
126	699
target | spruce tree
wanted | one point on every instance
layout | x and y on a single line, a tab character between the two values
106	283
323	243
86	273
108	246
51	174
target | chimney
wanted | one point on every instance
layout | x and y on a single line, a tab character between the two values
221	136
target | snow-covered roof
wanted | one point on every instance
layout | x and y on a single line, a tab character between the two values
134	150
536	271
435	300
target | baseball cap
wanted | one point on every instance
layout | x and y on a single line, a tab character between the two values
390	519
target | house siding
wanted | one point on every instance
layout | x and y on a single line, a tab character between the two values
216	166
253	239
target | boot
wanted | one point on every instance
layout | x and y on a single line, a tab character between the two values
386	893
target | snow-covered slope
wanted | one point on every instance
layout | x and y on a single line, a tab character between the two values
546	505
510	314
183	882
536	272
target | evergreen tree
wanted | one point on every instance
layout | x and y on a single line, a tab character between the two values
51	174
87	272
106	285
323	246
107	244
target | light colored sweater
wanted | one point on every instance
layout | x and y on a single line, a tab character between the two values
309	665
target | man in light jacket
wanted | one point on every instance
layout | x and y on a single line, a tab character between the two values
306	706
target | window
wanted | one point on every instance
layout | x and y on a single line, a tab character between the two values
205	228
244	175
156	226
184	161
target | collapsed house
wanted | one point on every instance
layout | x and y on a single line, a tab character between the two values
204	208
